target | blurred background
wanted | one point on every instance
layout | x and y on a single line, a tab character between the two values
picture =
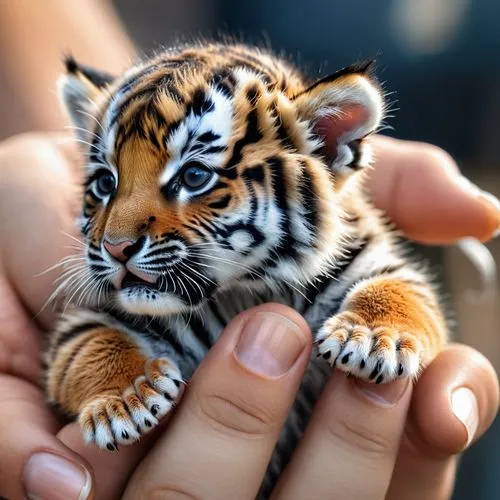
438	58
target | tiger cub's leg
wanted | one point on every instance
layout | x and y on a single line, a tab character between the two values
387	328
101	376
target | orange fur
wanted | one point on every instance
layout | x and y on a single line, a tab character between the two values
98	362
397	317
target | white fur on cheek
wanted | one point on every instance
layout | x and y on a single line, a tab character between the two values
240	240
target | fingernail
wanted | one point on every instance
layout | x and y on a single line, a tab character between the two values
493	203
51	477
269	344
464	407
490	200
382	394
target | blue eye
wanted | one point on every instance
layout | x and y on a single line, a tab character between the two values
105	183
195	175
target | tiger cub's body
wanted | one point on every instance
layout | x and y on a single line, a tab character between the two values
218	180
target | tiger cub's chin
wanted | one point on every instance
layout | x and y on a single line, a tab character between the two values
150	302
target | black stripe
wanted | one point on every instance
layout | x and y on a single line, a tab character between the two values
353	252
255	173
316	288
68	363
163	251
309	200
222	203
99	267
162	83
215	311
282	133
187	144
253	94
252	136
286	247
153	140
73	332
319	286
200	332
158	330
147	325
254	203
196	231
215	149
172	127
208	137
219	185
224	81
201	103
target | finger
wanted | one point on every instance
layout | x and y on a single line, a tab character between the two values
220	441
19	338
111	471
34	462
421	189
45	179
454	403
351	442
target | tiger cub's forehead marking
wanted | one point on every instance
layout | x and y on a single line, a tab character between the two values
199	112
203	135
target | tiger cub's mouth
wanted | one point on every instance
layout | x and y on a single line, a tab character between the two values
131	280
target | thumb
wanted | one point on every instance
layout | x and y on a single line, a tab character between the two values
422	191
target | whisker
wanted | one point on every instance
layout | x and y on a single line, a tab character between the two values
62	263
227	261
192	281
203	277
90	115
58	290
79	241
81	129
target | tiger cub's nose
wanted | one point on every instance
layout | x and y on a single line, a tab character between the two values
125	249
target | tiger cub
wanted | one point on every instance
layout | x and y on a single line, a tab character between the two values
218	179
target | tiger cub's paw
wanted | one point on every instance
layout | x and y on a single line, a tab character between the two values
379	354
111	419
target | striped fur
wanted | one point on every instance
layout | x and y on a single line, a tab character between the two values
219	179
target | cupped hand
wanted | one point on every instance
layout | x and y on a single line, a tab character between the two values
355	431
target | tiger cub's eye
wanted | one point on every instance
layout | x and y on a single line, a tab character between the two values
105	183
195	175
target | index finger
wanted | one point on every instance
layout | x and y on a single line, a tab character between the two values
421	189
220	441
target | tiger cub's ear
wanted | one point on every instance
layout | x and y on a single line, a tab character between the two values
79	89
343	109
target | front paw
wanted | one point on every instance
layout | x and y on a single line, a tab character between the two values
375	354
111	419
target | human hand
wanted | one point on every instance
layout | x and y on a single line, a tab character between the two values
38	196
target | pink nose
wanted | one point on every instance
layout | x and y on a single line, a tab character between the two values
119	250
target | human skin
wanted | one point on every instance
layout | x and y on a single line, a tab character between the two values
230	406
34	36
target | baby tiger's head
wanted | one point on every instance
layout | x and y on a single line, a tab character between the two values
213	166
